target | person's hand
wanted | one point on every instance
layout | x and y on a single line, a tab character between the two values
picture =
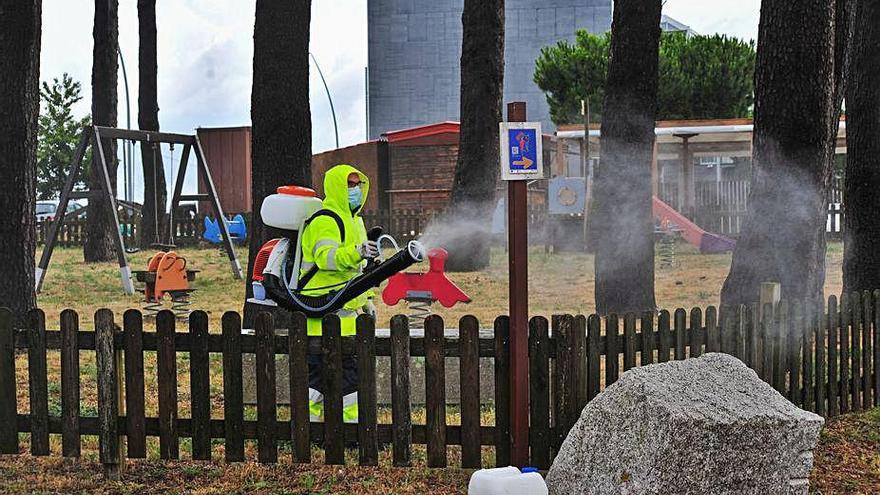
369	308
368	250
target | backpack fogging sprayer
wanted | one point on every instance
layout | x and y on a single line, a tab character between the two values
276	274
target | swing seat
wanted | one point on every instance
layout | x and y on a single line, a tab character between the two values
163	247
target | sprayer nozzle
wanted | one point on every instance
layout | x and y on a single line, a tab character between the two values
416	250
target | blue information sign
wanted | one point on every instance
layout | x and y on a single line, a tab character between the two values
521	151
523	157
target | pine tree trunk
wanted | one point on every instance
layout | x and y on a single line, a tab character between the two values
477	169
98	245
621	208
861	258
281	120
20	27
798	86
153	219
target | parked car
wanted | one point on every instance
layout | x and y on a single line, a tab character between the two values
46	210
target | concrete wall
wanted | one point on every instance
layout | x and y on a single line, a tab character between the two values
415	47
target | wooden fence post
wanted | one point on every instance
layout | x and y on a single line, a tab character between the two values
435	391
299	389
267	404
845	320
821	366
8	397
502	391
612	352
111	454
563	383
233	407
469	380
70	441
696	326
166	373
368	446
833	327
856	354
794	344
401	408
594	355
200	386
135	415
629	341
539	393
664	337
334	433
37	382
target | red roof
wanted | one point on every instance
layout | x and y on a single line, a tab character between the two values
422	132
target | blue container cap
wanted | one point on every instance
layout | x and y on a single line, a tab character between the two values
529	469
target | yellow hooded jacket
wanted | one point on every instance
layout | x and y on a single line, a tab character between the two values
322	245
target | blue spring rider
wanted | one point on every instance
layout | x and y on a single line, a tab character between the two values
236	226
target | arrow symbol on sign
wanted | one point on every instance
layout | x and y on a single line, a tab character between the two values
524	163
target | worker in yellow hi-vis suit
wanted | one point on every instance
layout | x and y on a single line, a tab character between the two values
335	249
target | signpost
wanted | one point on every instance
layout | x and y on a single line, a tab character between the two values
521	160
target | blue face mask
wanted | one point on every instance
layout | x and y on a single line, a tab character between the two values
355	195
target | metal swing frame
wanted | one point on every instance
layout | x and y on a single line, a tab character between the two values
92	135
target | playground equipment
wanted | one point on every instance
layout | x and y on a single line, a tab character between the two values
237	229
692	233
419	290
166	274
93	135
277	265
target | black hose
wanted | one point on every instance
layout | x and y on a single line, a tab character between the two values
402	260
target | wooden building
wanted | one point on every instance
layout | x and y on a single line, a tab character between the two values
228	153
409	169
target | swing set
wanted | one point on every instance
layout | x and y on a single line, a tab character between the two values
93	136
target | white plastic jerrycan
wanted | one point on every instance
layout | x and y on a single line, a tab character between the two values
507	481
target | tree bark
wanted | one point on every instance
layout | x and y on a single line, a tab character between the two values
861	257
100	230
281	119
477	168
799	76
621	210
153	219
20	29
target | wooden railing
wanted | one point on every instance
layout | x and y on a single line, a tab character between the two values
823	359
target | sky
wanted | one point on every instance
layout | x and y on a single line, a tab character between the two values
205	52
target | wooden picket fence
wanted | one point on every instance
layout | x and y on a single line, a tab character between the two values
722	207
187	231
823	359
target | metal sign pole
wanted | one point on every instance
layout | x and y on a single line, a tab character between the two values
518	270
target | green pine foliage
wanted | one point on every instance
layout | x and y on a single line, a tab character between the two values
701	77
58	134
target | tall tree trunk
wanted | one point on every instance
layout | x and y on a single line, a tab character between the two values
477	169
20	28
621	209
155	194
861	257
799	76
280	116
99	225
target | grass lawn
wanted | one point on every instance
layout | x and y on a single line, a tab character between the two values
848	459
558	283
